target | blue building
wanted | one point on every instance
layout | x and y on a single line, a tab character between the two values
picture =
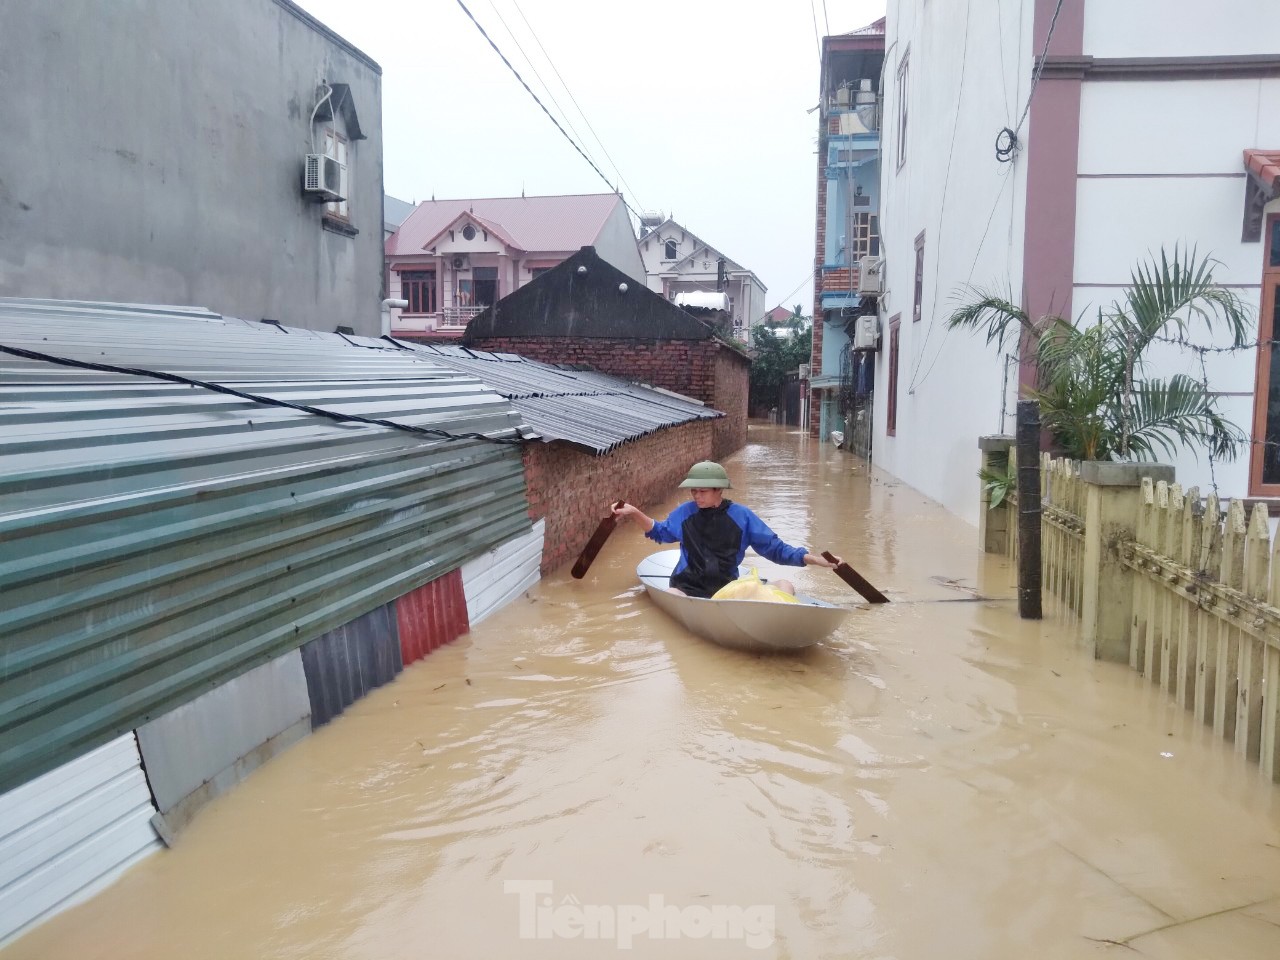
848	223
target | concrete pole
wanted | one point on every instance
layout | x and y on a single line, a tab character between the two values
1112	505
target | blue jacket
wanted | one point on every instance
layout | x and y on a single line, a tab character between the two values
755	533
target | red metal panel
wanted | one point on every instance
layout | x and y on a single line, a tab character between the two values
431	616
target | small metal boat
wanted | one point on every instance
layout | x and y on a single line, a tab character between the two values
758	626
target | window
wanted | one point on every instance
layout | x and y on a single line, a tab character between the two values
462	295
419	288
536	272
866	236
1264	473
918	295
891	414
486	285
902	110
669	250
335	147
468	232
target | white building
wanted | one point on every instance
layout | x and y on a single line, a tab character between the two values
677	261
1153	123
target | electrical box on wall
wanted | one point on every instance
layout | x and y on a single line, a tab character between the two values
866	333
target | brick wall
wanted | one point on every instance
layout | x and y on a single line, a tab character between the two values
572	489
731	392
702	369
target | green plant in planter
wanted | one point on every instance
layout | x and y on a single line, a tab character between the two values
1095	399
998	480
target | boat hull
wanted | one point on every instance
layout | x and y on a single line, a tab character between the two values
758	626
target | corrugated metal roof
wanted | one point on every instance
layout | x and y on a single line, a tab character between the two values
534	224
592	410
158	539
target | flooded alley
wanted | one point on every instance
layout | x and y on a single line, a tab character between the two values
579	776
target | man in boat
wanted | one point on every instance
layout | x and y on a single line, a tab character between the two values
714	533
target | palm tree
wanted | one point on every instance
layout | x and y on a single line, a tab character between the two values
1094	398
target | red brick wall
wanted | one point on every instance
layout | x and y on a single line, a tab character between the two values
702	369
732	387
572	489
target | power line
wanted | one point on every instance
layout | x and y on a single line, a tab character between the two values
825	22
574	99
816	38
573	143
1005	153
529	60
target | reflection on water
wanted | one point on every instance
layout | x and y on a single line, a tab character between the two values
939	780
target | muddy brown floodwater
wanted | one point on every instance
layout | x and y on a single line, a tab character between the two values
580	778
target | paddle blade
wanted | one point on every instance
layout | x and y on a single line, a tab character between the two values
594	544
856	580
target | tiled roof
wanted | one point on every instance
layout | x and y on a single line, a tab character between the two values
1265	166
535	224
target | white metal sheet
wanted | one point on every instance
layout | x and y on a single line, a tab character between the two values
189	746
494	579
70	832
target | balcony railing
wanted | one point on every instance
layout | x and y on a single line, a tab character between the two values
456	318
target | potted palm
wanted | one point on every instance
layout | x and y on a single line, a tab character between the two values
1096	399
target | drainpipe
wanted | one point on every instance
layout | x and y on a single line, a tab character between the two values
386	313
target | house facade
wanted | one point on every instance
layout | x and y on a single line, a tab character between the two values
679	262
450	259
147	187
1147	124
848	224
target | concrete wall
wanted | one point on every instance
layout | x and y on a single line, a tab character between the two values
571	490
950	187
155	151
1178	178
616	243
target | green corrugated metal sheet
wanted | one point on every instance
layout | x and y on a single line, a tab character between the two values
157	540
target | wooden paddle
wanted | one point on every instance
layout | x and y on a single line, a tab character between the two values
595	543
856	580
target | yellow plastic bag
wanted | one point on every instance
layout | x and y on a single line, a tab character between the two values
751	587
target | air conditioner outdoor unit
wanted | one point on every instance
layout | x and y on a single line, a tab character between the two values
322	177
460	262
870	276
866	333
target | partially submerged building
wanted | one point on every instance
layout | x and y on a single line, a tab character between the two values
595	438
588	312
216	534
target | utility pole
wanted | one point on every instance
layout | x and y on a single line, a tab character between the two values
1028	485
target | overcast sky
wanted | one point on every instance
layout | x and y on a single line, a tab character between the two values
701	106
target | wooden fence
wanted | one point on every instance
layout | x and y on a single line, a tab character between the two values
1190	592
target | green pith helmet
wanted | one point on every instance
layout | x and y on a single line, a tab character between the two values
706	474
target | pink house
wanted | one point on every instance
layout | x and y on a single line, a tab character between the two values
452	258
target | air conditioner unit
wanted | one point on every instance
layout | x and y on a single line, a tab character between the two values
866	333
460	262
870	276
322	178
